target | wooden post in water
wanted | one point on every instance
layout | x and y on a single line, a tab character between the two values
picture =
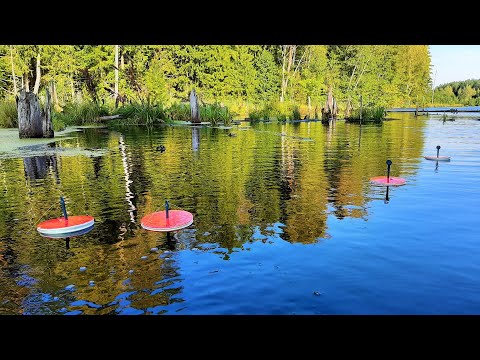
194	110
33	122
309	109
361	109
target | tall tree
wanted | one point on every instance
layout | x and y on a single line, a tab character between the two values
115	96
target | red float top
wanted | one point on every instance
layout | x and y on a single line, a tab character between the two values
157	221
62	223
65	226
383	180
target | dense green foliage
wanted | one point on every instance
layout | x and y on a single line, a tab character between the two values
242	78
458	92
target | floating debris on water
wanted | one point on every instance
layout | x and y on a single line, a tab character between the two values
195	248
317	293
83	268
166	251
91	283
69	287
154	249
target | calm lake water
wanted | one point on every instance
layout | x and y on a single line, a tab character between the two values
285	221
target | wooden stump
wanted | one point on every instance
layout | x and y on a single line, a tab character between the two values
33	122
194	110
330	110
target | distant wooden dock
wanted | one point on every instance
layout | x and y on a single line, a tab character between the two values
438	109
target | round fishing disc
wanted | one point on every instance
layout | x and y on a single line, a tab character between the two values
383	180
65	226
157	221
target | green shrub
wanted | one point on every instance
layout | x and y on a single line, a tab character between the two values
296	113
179	112
80	113
215	113
8	114
369	114
146	113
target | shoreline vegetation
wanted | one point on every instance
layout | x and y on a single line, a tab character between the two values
150	84
79	114
89	113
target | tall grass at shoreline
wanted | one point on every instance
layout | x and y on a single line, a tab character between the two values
83	113
275	110
8	114
368	114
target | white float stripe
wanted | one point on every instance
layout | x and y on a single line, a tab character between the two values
66	230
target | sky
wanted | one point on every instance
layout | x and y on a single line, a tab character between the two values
454	63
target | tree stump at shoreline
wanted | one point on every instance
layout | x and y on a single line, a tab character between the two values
194	110
33	121
330	111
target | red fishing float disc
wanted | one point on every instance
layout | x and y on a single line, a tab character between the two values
65	226
158	221
391	181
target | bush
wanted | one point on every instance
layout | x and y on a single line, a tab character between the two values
215	113
145	113
80	113
8	114
369	114
296	113
179	112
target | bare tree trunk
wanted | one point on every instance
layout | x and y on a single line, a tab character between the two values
115	95
26	82
37	79
348	108
47	125
284	58
309	108
122	61
351	77
13	73
54	94
361	109
329	104
73	91
291	60
361	73
194	110
33	122
285	73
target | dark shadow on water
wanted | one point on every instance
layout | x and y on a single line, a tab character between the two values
195	138
387	198
36	167
67	236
